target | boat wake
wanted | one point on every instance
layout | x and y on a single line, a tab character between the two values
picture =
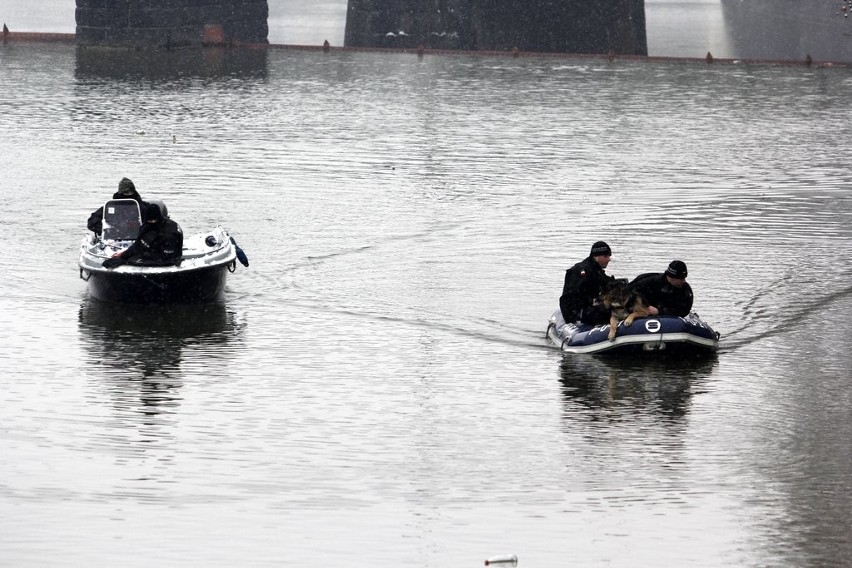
773	310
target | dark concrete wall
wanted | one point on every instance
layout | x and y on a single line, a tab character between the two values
563	26
408	23
172	23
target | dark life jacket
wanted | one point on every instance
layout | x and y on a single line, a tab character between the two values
156	243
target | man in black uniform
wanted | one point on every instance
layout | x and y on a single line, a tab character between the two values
584	284
667	294
160	240
126	190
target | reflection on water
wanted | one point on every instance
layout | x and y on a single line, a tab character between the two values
208	62
662	386
180	322
139	349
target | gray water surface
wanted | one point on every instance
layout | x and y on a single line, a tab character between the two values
376	389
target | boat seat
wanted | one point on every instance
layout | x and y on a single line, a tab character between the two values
122	220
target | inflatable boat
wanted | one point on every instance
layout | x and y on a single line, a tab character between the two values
198	276
656	334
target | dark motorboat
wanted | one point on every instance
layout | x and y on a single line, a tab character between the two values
657	334
198	276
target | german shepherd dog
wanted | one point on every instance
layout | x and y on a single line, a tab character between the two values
624	305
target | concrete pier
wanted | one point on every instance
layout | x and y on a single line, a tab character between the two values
565	26
177	23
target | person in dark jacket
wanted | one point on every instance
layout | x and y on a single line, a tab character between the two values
584	284
160	240
667	294
126	190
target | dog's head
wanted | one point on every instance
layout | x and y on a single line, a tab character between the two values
617	295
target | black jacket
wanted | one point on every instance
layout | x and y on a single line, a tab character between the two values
657	291
584	284
156	243
96	219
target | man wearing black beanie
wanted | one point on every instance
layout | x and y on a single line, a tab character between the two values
160	240
667	293
584	284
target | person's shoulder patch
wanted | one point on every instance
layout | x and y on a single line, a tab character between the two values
582	273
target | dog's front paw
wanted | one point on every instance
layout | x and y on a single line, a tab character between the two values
611	335
628	321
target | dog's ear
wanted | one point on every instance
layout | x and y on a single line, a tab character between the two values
616	286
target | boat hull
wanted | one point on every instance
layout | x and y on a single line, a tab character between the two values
667	335
200	275
191	286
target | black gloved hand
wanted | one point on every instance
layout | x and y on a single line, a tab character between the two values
113	262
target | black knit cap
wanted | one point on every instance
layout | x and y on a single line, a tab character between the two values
152	212
601	248
677	269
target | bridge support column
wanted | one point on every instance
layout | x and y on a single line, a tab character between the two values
143	23
563	26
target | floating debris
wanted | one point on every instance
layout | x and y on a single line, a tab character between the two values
503	559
